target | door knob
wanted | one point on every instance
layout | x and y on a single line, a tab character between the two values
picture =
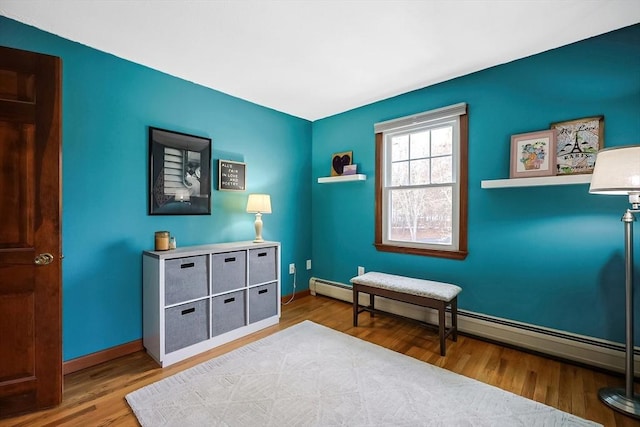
43	259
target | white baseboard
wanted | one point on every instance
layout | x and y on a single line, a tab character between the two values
578	348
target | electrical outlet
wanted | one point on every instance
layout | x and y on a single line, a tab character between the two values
360	271
308	264
292	268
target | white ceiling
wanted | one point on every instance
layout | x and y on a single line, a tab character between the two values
316	58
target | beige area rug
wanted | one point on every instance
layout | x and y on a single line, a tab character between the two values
310	375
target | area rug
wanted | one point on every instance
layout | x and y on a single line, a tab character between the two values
310	375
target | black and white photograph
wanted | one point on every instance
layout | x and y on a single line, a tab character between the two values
179	168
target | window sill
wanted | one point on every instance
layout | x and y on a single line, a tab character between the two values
459	255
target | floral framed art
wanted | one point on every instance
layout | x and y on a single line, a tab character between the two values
577	143
533	154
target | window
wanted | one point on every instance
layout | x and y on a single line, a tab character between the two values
421	183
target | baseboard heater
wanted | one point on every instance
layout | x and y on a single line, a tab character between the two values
578	348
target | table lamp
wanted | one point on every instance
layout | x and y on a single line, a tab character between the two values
259	204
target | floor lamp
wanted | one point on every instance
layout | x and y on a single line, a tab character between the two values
617	172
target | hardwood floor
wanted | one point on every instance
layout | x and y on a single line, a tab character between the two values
95	396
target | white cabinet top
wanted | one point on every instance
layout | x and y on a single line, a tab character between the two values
186	251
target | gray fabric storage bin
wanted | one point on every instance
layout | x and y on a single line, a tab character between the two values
186	324
262	265
229	271
263	302
228	312
185	279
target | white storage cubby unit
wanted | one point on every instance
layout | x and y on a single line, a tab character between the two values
196	298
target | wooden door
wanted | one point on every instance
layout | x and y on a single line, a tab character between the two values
30	242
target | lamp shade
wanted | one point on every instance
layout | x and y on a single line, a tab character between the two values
617	171
259	203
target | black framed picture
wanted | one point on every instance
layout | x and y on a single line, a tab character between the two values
179	173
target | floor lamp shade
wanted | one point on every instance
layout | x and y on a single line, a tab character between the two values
259	204
617	172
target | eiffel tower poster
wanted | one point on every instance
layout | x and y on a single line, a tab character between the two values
577	143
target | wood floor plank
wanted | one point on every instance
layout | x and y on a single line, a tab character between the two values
95	396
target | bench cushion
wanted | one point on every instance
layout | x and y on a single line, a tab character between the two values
420	287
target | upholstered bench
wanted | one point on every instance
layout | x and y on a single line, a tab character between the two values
425	293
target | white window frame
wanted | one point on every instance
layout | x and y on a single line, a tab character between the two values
454	115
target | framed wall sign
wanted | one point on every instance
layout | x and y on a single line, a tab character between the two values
179	173
578	142
533	154
231	175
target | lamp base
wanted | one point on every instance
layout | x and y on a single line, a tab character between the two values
617	399
258	227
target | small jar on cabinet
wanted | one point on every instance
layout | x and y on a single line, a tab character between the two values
162	241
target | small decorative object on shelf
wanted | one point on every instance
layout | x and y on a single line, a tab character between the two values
577	143
350	170
533	154
339	161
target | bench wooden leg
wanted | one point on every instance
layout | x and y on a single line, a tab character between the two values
355	304
372	304
442	328
454	319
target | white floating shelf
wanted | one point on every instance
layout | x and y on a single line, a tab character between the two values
341	178
537	181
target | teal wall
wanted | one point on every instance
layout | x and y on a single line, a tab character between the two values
107	106
549	256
